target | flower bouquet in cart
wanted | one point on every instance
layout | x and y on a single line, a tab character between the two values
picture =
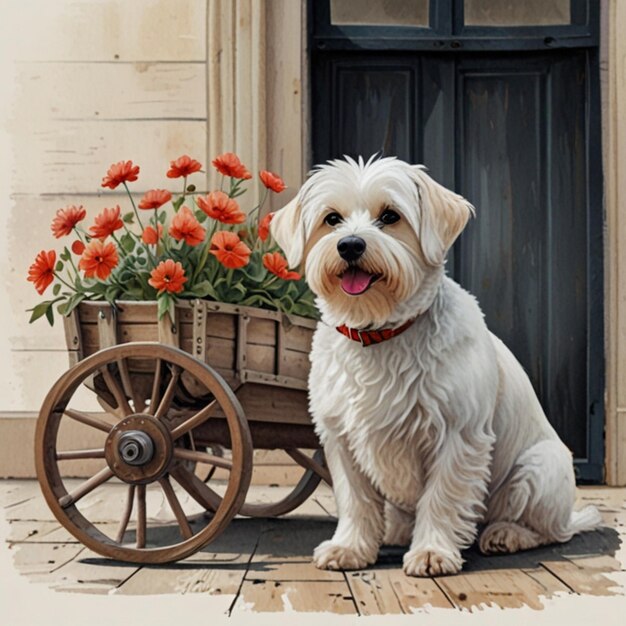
171	246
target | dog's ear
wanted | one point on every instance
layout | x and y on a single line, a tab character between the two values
287	228
443	216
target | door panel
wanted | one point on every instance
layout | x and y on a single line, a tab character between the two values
509	131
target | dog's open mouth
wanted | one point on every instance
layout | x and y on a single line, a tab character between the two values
355	281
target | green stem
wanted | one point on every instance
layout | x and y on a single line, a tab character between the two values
133	203
56	275
201	263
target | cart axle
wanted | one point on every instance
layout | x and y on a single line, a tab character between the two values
136	447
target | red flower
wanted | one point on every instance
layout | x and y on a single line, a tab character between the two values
106	223
78	247
186	226
276	263
66	219
183	166
220	207
151	236
272	181
154	199
121	172
264	226
168	276
230	165
229	250
41	272
99	259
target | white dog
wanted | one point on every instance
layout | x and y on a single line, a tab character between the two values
429	424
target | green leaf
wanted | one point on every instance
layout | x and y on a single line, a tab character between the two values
141	260
65	255
204	289
39	310
56	289
166	304
129	217
50	315
59	266
128	242
178	203
201	216
67	307
162	217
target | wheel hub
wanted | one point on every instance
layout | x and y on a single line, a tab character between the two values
138	449
135	447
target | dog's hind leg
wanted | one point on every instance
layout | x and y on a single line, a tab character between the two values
535	504
398	526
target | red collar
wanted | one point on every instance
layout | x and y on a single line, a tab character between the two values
369	337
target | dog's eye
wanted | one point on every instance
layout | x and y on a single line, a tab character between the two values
389	216
332	219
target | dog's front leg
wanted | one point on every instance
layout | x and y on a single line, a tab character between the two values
360	509
451	505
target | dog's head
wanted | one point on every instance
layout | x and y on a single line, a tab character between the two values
368	235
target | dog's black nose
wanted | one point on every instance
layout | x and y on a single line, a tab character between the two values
351	248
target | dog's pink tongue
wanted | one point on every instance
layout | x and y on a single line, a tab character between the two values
355	281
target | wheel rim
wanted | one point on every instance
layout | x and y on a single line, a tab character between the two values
146	447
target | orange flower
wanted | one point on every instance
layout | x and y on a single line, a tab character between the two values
276	263
78	247
155	198
151	236
220	207
99	259
66	219
230	165
183	166
41	272
106	223
272	181
168	276
229	250
121	172
264	226
186	226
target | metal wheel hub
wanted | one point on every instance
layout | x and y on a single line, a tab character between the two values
139	449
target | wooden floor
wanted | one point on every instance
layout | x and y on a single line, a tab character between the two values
265	564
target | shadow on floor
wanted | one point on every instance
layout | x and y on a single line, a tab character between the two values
293	537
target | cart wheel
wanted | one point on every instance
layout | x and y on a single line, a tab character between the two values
315	471
143	448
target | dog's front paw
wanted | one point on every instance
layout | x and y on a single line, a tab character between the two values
431	562
329	555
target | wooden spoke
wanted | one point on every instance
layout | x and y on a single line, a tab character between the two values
114	388
141	516
200	417
310	463
88	420
156	387
68	455
202	457
202	494
169	393
181	518
88	486
128	509
129	389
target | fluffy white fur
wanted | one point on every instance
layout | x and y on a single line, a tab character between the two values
437	430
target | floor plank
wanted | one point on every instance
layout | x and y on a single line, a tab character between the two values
306	596
586	575
390	591
505	588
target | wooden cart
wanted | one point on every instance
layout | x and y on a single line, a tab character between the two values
201	392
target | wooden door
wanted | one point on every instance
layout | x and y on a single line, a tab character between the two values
515	129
